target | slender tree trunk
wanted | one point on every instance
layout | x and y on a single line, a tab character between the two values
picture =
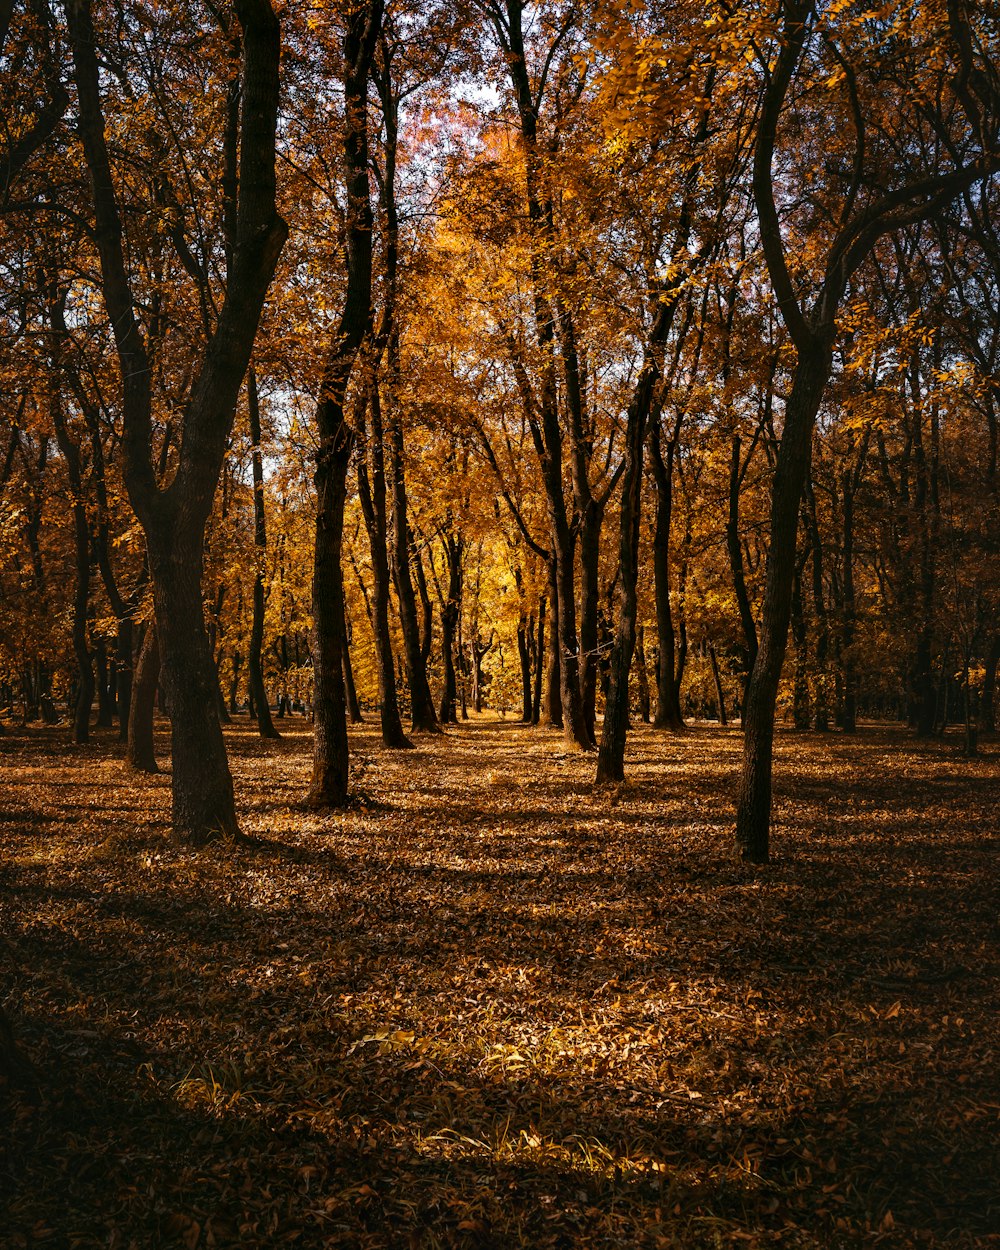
720	698
848	630
450	615
611	755
422	716
821	709
540	664
330	751
125	662
105	703
668	710
524	656
800	696
350	690
265	725
553	680
590	553
139	751
735	552
642	676
988	713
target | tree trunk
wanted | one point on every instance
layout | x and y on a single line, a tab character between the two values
203	804
590	553
524	656
720	698
105	703
848	629
642	676
174	518
139	751
350	690
330	748
800	696
988	712
265	725
125	661
668	709
735	551
553	681
422	715
753	802
611	755
540	664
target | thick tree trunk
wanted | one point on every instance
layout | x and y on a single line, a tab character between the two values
753	802
203	804
139	751
174	518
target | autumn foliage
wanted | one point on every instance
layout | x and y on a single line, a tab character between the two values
469	393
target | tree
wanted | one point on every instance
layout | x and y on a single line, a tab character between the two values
174	517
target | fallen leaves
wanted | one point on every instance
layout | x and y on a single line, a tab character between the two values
478	1014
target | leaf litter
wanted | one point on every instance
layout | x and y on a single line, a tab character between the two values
489	1006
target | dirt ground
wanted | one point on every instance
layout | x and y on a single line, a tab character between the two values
491	1007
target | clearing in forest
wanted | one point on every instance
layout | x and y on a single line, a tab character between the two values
491	1007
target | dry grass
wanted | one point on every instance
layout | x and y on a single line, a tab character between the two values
490	1008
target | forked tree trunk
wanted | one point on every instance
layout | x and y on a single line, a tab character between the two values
174	518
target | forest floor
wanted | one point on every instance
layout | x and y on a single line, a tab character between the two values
489	1007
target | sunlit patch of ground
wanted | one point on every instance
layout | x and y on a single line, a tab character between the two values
490	1007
